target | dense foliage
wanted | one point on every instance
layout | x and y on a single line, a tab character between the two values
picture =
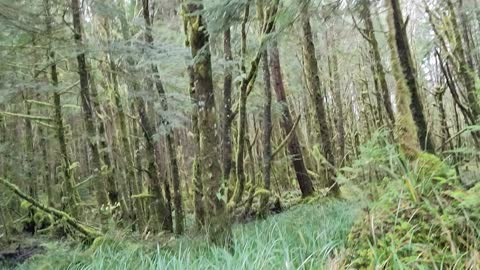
162	132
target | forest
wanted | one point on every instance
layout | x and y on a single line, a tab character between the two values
240	134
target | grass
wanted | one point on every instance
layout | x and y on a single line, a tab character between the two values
305	237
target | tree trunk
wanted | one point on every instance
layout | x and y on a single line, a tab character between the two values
68	189
293	147
88	115
30	166
242	117
197	172
136	188
379	72
406	86
404	56
313	83
443	120
157	202
107	169
335	88
171	147
267	124
217	220
227	108
465	69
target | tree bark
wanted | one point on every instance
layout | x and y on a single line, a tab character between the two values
87	107
68	181
197	172
227	107
267	123
30	166
377	66
465	68
313	83
404	56
242	117
406	127
335	88
217	221
171	147
286	122
137	211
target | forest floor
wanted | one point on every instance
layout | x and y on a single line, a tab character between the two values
307	236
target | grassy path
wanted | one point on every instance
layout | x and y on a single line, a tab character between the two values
303	237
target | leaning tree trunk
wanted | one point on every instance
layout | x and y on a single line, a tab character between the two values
313	83
443	120
286	122
88	115
406	130
107	168
377	66
158	206
246	87
404	56
465	68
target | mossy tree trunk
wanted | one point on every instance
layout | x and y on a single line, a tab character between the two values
246	87
171	147
266	121
87	105
313	83
135	184
199	207
377	66
30	167
335	88
294	148
465	67
68	189
227	107
107	168
398	34
217	222
439	94
242	115
406	129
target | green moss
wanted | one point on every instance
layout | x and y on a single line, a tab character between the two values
425	231
42	220
431	166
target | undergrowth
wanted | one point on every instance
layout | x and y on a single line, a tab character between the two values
305	237
423	219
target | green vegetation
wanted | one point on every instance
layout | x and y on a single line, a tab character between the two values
434	229
424	219
305	237
240	134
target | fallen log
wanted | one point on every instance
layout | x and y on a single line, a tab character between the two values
88	234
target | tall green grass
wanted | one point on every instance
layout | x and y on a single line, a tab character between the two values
301	238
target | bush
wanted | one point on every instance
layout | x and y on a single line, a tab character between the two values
426	220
